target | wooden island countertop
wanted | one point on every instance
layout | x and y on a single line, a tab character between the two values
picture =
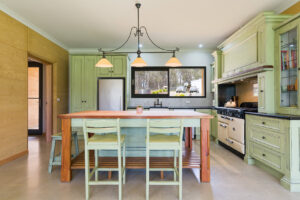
131	119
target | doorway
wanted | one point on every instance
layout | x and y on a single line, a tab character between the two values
35	98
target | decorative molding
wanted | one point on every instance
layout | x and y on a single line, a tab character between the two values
285	5
14	157
24	21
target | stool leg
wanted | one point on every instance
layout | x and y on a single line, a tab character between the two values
147	172
96	164
120	172
180	174
175	165
124	163
76	145
87	173
51	156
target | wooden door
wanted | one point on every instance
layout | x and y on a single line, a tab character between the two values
77	65
261	92
89	83
105	71
119	66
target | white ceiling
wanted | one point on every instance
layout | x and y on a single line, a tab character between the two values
106	23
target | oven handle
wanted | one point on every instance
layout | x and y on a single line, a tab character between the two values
225	117
223	125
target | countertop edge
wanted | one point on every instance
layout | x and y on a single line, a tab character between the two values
275	115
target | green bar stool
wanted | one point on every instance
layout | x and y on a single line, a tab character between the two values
164	134
106	136
56	160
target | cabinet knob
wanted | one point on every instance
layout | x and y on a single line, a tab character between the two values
263	123
263	137
233	129
261	91
263	155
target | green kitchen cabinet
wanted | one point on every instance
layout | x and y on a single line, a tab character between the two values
287	42
274	145
251	46
213	124
216	74
119	68
82	83
103	71
266	94
84	77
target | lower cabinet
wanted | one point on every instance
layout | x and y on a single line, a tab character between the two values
213	123
275	144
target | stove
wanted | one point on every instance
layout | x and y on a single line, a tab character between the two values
238	112
231	126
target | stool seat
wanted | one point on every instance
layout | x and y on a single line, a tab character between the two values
107	138
159	138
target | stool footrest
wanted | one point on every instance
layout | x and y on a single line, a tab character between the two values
163	183
103	182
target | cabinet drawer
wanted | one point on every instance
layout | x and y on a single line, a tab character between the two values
272	159
267	138
267	122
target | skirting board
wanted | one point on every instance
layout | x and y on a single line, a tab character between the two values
14	157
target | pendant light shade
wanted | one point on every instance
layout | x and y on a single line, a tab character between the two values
138	62
173	62
103	62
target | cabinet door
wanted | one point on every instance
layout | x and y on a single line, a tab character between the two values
77	65
119	66
261	92
214	124
104	71
222	132
89	83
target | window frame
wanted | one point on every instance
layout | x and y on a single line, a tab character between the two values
151	68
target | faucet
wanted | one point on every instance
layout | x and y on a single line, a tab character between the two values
157	103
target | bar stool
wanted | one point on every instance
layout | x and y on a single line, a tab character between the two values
106	137
164	134
56	160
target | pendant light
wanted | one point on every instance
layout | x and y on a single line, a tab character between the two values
103	62
138	31
173	61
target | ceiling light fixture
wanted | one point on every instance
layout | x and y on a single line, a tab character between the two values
200	45
139	62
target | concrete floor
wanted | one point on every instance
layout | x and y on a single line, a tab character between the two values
231	179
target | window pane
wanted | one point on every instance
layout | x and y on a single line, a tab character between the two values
151	82
187	82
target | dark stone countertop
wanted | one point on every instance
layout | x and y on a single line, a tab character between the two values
275	115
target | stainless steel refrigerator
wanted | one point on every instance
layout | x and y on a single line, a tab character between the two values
111	93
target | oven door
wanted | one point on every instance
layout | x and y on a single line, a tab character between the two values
236	130
222	132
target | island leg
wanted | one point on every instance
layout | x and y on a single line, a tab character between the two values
66	173
204	149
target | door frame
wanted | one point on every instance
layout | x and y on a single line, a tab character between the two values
124	82
40	130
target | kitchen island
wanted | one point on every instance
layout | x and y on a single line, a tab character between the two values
130	120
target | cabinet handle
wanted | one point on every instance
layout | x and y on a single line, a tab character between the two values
263	137
261	91
263	155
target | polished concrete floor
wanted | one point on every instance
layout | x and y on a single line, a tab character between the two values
231	179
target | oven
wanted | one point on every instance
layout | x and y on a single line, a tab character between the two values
231	126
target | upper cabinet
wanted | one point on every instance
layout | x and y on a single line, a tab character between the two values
287	66
84	78
252	46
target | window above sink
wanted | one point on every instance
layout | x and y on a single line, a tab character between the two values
168	82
